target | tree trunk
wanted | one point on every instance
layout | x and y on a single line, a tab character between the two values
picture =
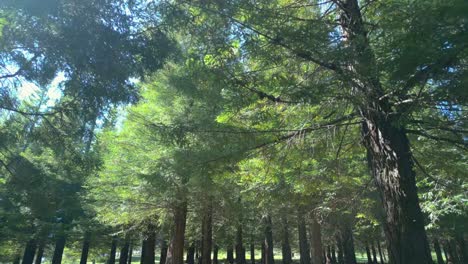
143	251
112	252
190	259
333	256
215	254
230	255
263	253
150	245
461	247
316	241
162	257
240	252
29	252
303	243
207	235
252	253
124	252
340	250
58	251
368	254
40	253
374	254
17	259
85	250
380	253
130	254
269	256
444	248
438	252
388	149
348	243
285	246
175	252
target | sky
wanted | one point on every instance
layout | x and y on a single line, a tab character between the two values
30	90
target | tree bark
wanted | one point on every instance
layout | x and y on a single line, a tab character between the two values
461	247
40	253
85	250
124	252
130	254
380	253
240	252
285	246
58	251
438	252
175	252
303	243
190	259
269	255
374	253
29	252
113	250
333	256
387	145
263	253
215	254
230	255
150	245
252	253
162	257
316	241
143	251
368	254
347	239
207	235
339	243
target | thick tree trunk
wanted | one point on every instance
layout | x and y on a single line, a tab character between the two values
374	254
190	258
303	243
40	253
162	257
124	252
269	256
143	251
29	252
130	254
285	246
252	253
387	147
113	250
230	255
85	250
150	245
316	241
58	251
380	253
175	252
215	254
240	251
207	235
438	252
